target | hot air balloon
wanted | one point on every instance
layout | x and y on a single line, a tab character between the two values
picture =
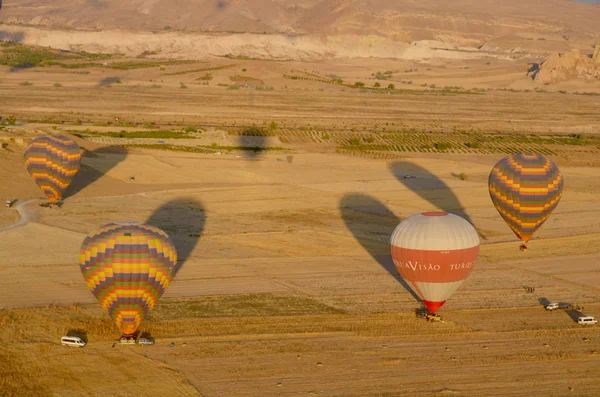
434	252
52	162
127	267
525	188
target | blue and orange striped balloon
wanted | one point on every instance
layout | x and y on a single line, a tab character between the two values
127	267
525	189
52	162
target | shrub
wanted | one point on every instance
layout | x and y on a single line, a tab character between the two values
442	146
25	83
57	85
233	87
181	85
244	70
354	141
462	176
391	87
377	85
118	81
190	128
206	77
273	126
253	131
359	84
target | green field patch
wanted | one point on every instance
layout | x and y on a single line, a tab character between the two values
72	65
172	148
160	134
129	65
244	148
201	70
24	56
247	305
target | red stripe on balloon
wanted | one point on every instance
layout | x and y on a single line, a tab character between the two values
433	306
434	266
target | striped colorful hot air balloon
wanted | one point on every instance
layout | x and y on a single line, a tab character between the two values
525	188
127	267
52	162
434	252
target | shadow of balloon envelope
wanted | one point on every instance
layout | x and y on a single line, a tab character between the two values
574	314
87	175
372	223
108	81
430	188
253	146
183	219
79	333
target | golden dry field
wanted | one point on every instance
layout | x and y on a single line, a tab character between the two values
281	197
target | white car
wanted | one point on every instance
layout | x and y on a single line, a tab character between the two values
72	341
552	306
586	320
145	341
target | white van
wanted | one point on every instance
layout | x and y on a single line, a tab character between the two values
585	320
72	341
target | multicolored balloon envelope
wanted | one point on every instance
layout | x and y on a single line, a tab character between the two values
434	252
525	189
52	162
127	267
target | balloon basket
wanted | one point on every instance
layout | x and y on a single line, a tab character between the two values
49	204
427	315
523	247
432	317
127	339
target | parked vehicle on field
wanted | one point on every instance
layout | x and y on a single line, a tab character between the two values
72	341
586	320
145	341
553	306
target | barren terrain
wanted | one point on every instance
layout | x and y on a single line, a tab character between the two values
280	186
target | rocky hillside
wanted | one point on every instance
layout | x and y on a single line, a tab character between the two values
567	66
463	21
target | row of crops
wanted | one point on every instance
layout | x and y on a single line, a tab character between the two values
423	142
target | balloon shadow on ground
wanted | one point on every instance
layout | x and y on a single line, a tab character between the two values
183	219
253	146
372	223
430	188
88	175
544	302
574	314
13	37
79	333
107	81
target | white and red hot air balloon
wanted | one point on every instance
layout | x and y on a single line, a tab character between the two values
434	252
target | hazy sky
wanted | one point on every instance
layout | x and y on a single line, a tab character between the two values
589	1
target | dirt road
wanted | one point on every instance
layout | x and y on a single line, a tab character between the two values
26	215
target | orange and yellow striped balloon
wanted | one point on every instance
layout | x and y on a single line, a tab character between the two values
127	267
525	188
52	162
